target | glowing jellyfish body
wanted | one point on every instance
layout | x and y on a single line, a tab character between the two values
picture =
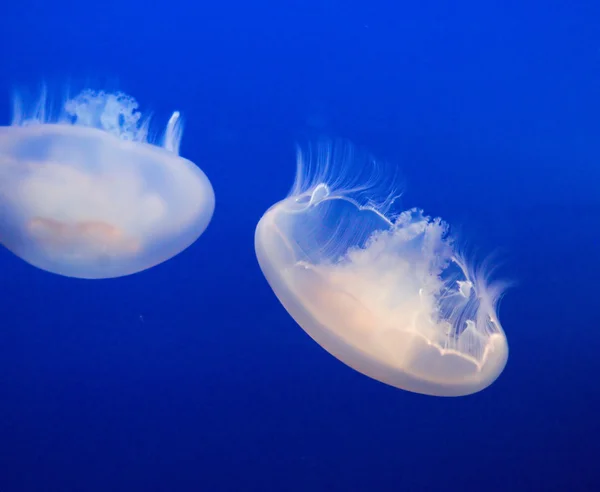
389	297
86	194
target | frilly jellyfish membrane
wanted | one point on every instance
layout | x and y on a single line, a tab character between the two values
87	193
389	295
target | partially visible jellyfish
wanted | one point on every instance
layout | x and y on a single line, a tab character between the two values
86	193
390	296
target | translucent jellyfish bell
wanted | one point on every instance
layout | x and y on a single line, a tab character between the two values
87	194
388	296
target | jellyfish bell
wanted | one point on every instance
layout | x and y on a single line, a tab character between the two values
390	296
88	194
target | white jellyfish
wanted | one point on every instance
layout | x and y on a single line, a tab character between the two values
85	193
390	296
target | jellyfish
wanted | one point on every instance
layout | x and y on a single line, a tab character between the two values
390	295
87	193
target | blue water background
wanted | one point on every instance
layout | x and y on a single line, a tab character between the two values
191	376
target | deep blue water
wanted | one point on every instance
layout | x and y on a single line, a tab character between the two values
492	112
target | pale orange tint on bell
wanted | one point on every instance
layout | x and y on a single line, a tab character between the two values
53	234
